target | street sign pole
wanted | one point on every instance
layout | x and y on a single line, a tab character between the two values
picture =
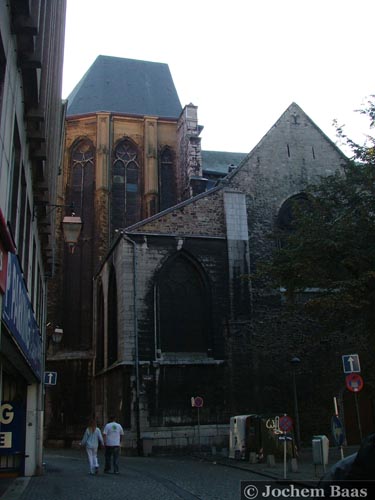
197	402
337	415
286	425
354	382
199	432
358	416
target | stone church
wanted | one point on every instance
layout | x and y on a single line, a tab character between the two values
156	303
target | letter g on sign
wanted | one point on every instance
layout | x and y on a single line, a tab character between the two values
6	413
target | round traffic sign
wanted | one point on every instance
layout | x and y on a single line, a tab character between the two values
285	423
354	382
197	402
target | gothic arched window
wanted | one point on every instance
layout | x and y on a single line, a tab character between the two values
167	181
77	280
286	216
184	306
112	318
125	199
82	175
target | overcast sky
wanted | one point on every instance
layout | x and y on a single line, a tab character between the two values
242	62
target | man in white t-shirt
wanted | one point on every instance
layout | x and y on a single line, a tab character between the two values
112	434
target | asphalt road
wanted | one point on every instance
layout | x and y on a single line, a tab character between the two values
66	478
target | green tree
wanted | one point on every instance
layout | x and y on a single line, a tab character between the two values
327	254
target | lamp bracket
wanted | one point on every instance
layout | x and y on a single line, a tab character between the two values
46	204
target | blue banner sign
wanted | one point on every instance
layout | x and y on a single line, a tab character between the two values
12	427
19	317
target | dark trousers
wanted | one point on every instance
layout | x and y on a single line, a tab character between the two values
111	456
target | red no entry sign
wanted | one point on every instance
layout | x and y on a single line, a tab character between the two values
285	423
354	382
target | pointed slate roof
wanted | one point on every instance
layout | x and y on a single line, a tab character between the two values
126	86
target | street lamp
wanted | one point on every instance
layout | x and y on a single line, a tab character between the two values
57	335
72	227
71	224
295	362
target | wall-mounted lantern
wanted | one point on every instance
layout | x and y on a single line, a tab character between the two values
72	226
57	335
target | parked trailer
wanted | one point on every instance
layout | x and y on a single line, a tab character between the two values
259	434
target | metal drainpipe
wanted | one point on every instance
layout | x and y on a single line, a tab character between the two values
136	361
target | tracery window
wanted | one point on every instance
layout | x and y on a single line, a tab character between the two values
167	181
125	198
82	174
183	306
78	286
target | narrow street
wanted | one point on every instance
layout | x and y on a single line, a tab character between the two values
165	478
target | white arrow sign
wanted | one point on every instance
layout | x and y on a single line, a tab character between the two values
350	363
50	378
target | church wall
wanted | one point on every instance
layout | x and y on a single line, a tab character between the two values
167	134
291	155
75	128
252	348
152	253
201	216
124	126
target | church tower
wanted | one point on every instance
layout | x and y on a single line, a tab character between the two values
131	151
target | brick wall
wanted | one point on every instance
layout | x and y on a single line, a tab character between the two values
200	216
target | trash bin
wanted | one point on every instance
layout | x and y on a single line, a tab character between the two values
320	450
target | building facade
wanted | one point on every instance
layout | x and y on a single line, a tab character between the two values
178	315
31	127
131	151
156	302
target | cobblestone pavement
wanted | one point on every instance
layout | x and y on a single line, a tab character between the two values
66	478
154	478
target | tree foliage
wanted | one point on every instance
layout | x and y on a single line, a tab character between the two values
328	254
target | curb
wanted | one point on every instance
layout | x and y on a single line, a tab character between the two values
275	477
16	489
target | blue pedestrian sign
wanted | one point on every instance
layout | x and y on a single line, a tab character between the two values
337	430
350	363
50	378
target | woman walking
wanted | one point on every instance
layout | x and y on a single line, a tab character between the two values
91	439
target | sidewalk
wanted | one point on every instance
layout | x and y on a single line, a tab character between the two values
306	471
12	488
